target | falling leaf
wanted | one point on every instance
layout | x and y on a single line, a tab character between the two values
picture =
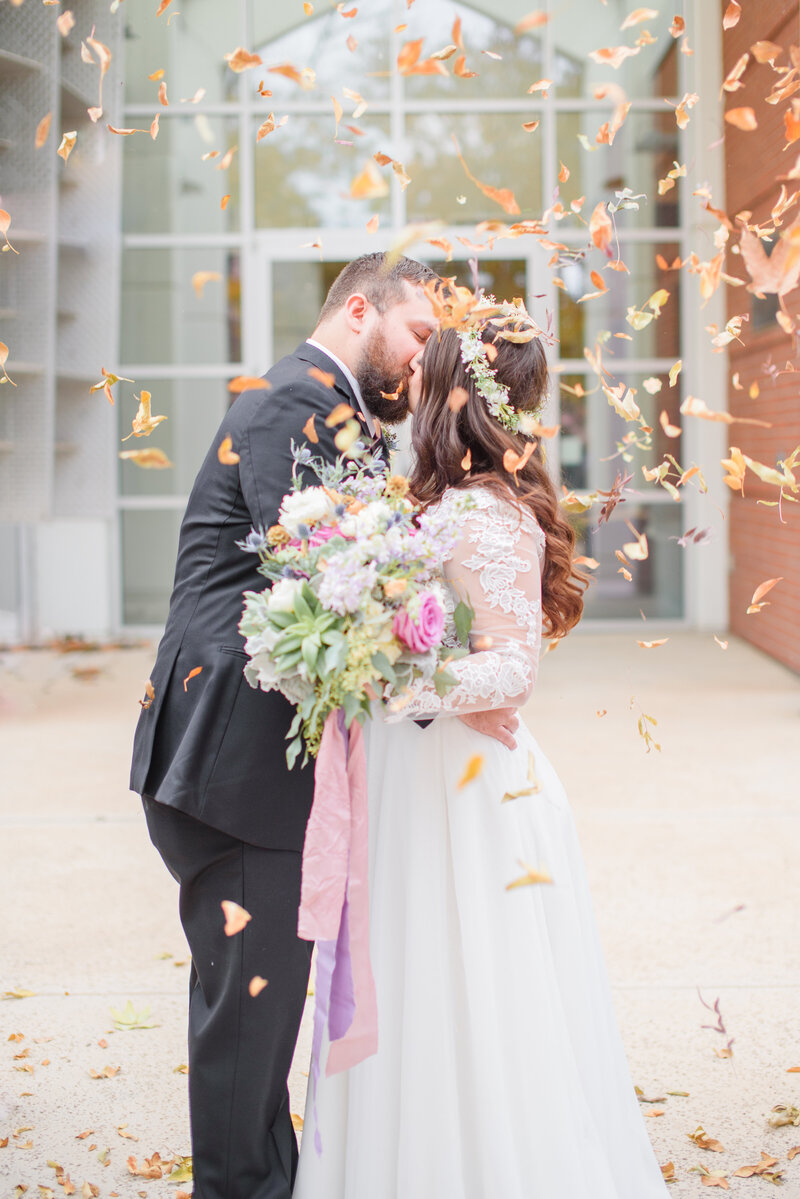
531	126
513	462
235	917
691	406
297	1122
653	644
42	131
460	69
241	60
670	430
305	78
201	278
193	673
124	132
534	20
68	141
600	228
65	22
248	383
149	459
471	771
682	109
732	14
533	787
742	118
398	168
637	16
163	6
143	423
256	985
309	431
529	878
224	202
760	592
227	159
409	61
466	461
502	196
613	56
369	184
225	452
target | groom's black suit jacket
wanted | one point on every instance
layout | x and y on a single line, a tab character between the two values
211	745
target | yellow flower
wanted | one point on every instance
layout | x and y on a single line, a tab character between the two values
396	486
277	535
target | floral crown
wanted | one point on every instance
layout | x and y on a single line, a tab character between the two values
509	322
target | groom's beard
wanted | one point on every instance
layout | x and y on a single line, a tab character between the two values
375	374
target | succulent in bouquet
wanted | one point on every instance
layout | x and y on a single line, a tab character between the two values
356	606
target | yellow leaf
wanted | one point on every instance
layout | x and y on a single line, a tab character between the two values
256	985
226	454
533	787
201	278
369	184
248	383
149	459
471	771
529	878
143	422
340	413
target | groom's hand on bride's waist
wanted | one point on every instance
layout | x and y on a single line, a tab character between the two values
501	723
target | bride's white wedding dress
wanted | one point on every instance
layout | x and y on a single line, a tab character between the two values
500	1072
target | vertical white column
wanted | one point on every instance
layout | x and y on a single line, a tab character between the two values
705	373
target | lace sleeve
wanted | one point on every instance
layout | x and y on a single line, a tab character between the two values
496	567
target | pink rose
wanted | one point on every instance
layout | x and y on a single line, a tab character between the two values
319	536
424	631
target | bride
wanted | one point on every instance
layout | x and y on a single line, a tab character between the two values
500	1072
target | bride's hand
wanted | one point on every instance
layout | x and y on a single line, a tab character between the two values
415	382
500	723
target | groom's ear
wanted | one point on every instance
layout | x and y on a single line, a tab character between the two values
356	311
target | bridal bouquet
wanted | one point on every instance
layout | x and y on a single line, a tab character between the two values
354	604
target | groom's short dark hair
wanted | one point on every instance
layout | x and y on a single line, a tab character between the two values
376	277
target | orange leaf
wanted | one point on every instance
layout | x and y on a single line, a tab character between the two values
327	379
530	126
742	118
68	141
236	917
340	413
589	563
224	202
732	14
162	94
600	228
514	463
763	588
42	131
653	645
613	56
163	6
65	23
460	68
637	16
534	20
791	119
466	461
241	60
256	985
201	278
124	132
669	430
563	174
369	184
372	223
502	196
226	454
309	431
193	673
248	383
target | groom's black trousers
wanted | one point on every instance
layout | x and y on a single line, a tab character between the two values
240	1047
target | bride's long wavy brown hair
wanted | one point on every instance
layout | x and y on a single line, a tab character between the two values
445	435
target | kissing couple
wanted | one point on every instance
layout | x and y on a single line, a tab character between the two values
500	1073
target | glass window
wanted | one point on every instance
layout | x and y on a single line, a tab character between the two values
645	148
320	41
497	151
188	47
194	409
581	323
519	61
164	319
302	177
577	28
149	550
656	589
166	184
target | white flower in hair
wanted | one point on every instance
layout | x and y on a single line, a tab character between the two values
512	323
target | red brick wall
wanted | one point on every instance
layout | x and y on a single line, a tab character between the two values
761	547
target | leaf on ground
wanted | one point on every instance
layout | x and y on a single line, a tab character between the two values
17	993
128	1017
703	1141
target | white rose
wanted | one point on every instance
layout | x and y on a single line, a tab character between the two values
304	508
261	672
262	642
368	521
283	594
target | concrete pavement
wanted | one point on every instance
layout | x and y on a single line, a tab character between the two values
692	856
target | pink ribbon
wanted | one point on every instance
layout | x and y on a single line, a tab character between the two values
334	901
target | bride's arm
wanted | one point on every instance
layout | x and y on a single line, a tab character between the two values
496	568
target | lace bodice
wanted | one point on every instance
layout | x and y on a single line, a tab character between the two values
496	566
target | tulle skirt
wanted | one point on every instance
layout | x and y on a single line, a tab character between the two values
500	1072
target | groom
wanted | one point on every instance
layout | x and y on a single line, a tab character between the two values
209	753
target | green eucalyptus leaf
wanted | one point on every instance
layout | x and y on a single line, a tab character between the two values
463	617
